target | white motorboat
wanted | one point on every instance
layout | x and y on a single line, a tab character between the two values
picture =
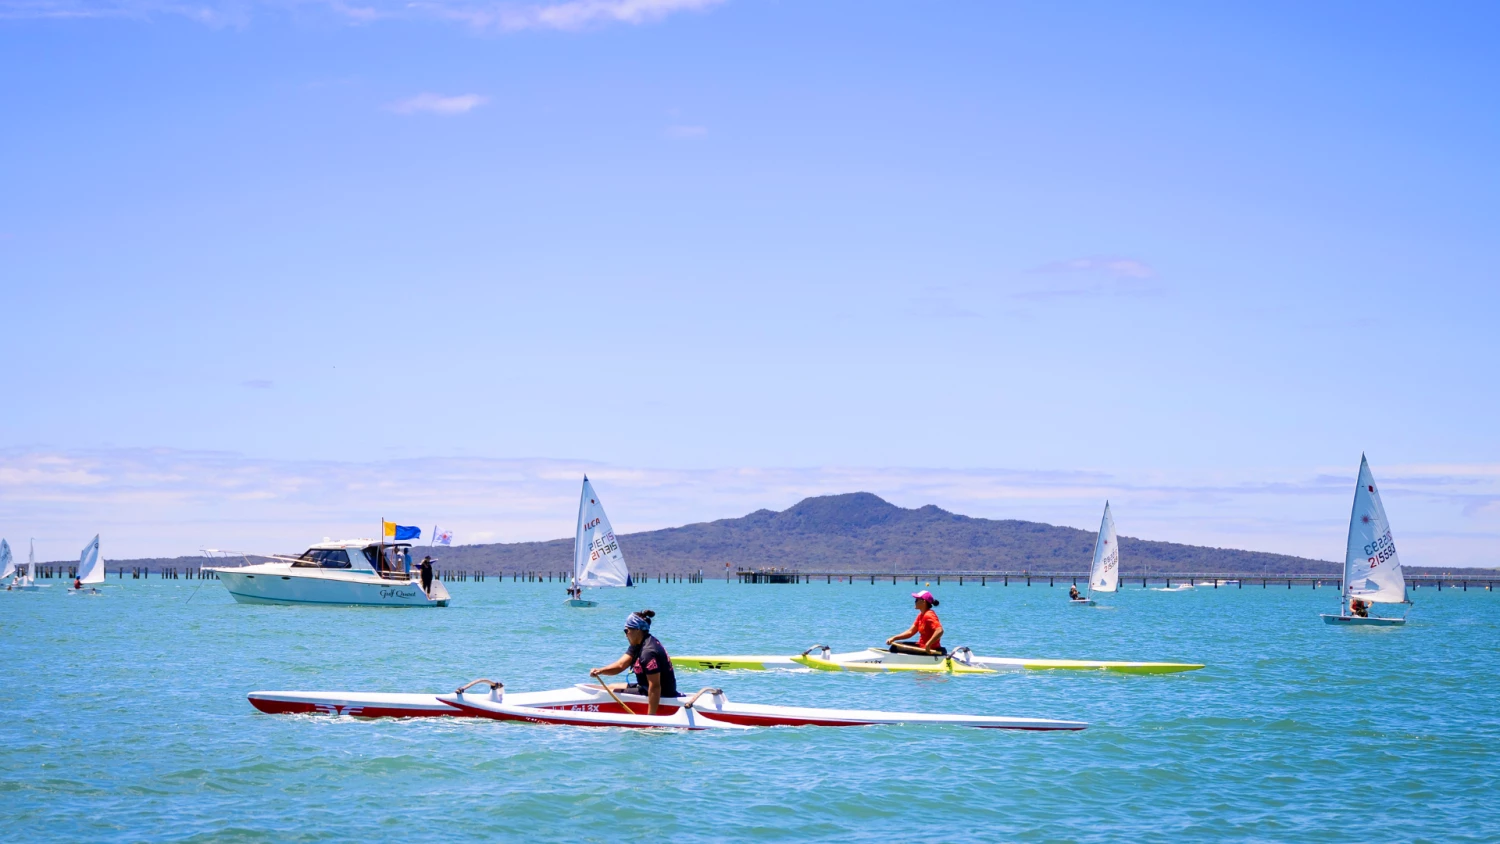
351	572
1372	570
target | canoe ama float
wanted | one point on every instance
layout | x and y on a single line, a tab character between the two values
589	705
959	661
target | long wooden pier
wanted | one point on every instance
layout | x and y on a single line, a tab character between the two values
1215	580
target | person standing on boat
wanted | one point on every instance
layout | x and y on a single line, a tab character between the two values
654	676
927	629
427	575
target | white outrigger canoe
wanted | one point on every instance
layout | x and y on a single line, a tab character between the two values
958	661
588	705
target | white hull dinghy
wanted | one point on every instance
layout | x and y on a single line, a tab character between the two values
1372	570
597	560
590	705
1104	573
958	661
90	569
355	572
22	580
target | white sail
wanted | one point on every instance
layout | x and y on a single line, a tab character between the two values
1104	576
90	565
7	565
31	562
1372	571
597	560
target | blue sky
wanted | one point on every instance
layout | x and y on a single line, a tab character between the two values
1167	247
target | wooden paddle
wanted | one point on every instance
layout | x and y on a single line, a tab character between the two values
605	684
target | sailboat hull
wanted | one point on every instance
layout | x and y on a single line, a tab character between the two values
1082	602
579	602
1357	621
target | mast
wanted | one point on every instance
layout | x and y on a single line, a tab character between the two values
1344	609
1097	539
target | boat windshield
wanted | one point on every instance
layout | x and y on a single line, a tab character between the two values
323	558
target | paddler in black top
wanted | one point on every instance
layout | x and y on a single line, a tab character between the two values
646	657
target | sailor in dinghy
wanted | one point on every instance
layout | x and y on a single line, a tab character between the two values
1372	570
90	570
597	560
1104	574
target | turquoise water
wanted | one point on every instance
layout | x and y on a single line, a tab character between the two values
125	719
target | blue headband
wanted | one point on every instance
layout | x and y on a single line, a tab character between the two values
636	621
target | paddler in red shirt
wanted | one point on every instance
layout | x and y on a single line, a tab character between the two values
927	629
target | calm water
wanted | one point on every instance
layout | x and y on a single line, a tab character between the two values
125	719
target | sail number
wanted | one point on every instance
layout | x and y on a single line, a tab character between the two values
1380	550
603	546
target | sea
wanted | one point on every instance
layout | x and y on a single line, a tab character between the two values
123	717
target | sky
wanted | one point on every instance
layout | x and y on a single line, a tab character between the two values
271	270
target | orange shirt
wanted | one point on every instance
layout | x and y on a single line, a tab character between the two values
927	625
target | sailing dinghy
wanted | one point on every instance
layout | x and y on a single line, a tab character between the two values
24	580
1104	574
90	569
7	565
597	561
1372	571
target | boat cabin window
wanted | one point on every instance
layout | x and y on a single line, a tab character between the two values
395	559
323	558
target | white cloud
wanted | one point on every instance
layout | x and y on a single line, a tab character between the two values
163	502
438	104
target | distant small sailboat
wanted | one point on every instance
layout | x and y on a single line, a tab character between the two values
1104	574
90	568
597	561
21	580
1372	571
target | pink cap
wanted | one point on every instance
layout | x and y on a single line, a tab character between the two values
924	595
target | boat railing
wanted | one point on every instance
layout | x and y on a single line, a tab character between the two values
402	576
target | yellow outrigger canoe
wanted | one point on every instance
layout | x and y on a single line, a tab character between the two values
959	661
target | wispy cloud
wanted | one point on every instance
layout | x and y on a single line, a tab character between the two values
438	104
498	15
163	502
1116	267
685	132
1093	277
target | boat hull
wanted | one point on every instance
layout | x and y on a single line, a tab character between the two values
877	660
264	585
1356	621
1082	602
580	602
587	705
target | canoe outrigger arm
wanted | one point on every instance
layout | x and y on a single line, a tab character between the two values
706	690
827	651
497	688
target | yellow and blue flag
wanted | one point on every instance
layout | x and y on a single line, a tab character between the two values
399	532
